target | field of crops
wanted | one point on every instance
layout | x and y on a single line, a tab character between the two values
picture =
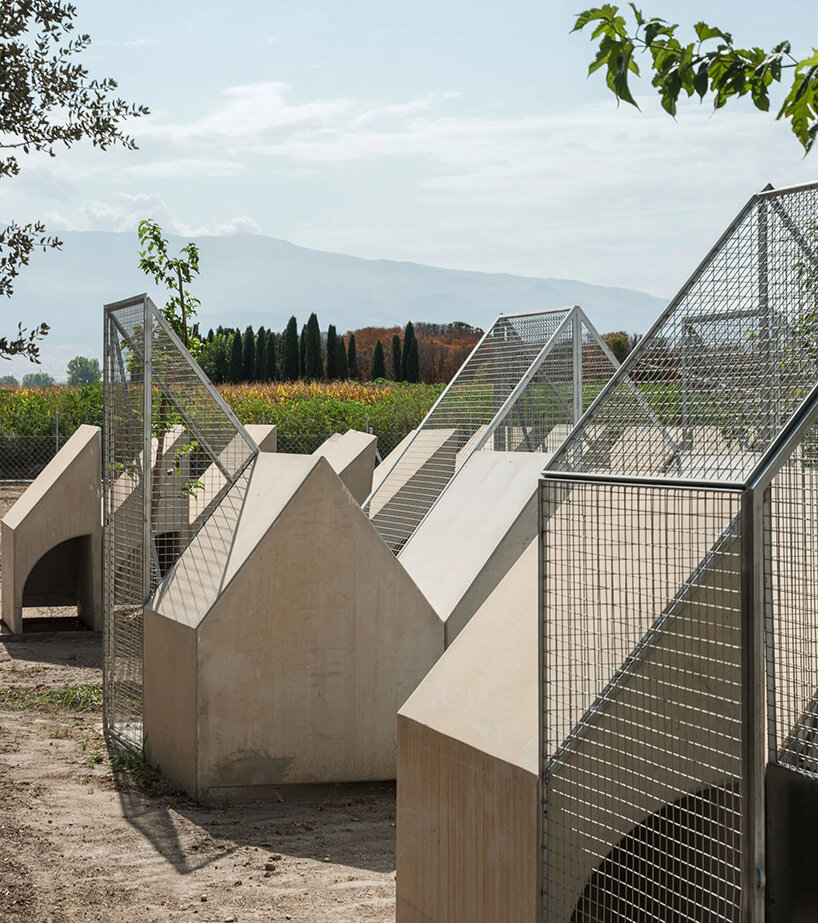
299	407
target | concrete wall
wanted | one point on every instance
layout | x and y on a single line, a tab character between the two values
57	524
468	802
309	636
352	457
483	521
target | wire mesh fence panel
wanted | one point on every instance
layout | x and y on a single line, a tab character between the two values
642	702
23	458
705	391
791	559
173	452
473	413
125	578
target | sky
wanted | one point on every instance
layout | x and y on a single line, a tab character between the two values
459	134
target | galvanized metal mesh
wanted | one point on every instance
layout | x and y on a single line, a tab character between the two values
706	390
642	718
521	389
173	450
791	562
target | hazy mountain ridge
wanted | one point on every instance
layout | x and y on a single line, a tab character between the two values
252	279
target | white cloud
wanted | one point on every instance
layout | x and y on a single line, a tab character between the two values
128	210
608	195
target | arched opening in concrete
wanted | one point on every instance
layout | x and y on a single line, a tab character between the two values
59	588
679	864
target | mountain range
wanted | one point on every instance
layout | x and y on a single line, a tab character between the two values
253	279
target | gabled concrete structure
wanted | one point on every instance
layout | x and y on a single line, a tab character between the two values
352	457
468	797
279	648
52	536
483	521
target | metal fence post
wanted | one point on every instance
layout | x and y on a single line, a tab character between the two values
56	432
147	464
753	717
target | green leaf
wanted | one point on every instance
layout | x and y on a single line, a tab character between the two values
704	32
606	12
700	81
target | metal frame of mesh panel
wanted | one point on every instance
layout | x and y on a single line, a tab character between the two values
678	592
168	436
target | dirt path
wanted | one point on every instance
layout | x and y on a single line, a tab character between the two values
80	841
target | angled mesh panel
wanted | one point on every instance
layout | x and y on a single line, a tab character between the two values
707	389
159	406
574	371
642	702
464	419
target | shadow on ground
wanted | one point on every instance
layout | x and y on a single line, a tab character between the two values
355	827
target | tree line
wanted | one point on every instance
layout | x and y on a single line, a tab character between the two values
230	355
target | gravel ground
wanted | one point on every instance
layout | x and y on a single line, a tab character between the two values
84	838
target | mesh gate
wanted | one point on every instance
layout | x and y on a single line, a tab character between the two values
521	389
173	451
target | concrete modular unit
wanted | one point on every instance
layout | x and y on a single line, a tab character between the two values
484	521
352	457
281	645
468	798
52	536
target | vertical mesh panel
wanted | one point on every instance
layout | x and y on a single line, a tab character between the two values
708	388
126	578
198	453
642	739
791	552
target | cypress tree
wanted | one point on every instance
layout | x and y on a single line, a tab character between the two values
408	337
210	335
271	369
235	358
260	364
313	361
352	357
397	366
221	359
290	367
332	353
341	359
248	346
378	369
413	362
302	353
